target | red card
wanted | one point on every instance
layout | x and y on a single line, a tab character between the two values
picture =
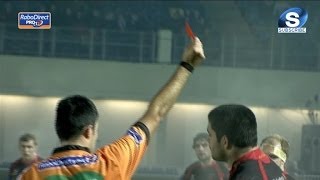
189	31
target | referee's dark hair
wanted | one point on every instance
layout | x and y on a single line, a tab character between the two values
73	114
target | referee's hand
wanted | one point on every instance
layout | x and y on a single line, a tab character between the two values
194	53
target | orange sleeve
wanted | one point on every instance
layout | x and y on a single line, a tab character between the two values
126	153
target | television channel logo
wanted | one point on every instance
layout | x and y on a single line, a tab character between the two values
34	20
292	21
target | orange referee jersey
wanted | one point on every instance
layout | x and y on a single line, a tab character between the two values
117	161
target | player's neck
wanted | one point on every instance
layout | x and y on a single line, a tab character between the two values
207	162
29	159
237	153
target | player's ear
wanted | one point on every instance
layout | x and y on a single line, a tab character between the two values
225	142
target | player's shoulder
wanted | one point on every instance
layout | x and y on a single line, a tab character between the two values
194	165
29	172
16	164
251	170
246	171
248	167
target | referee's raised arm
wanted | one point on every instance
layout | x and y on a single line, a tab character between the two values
166	97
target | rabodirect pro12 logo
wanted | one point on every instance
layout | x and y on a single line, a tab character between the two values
34	20
292	21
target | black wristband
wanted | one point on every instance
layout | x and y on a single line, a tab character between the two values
186	65
144	128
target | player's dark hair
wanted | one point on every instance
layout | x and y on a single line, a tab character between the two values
200	136
237	122
28	137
